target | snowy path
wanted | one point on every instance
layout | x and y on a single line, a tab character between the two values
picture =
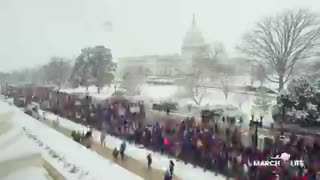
130	164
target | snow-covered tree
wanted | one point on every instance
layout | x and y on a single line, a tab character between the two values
81	73
262	101
133	78
303	102
57	71
283	40
300	91
93	66
102	66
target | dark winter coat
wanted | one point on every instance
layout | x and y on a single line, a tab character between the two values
122	147
149	159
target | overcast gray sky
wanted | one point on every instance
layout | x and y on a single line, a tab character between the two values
32	31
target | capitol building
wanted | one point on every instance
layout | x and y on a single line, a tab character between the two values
170	64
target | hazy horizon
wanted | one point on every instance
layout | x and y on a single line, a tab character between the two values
33	31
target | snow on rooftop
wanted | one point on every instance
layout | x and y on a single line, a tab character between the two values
14	145
95	166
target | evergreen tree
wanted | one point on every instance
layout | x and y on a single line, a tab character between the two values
93	66
300	91
303	101
102	66
262	101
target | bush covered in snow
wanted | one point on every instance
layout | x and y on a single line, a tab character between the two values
300	102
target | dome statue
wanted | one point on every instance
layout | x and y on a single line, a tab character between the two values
193	37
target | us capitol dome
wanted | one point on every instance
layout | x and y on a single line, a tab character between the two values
193	43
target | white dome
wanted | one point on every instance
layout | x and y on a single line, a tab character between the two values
193	37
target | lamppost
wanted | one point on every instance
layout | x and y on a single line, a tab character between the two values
115	89
256	124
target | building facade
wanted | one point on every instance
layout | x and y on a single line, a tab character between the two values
168	65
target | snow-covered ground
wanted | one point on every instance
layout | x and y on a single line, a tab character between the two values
155	93
71	159
106	92
185	172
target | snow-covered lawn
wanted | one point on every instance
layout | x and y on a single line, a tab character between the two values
71	159
156	93
185	172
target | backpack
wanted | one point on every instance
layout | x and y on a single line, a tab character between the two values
115	153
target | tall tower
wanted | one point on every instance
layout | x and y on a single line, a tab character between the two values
193	43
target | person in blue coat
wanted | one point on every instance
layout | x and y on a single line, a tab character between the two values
168	175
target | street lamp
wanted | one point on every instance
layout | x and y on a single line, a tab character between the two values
256	124
115	88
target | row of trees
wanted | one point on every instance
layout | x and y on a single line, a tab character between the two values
208	66
275	47
93	66
57	72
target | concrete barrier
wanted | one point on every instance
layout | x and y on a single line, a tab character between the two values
26	160
53	172
5	122
12	165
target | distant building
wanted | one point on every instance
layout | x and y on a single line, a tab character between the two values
167	65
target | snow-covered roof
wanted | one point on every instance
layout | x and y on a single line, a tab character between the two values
31	173
89	164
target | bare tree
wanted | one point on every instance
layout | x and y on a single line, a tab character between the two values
203	64
258	73
195	91
225	73
57	71
134	76
225	85
215	51
281	41
240	99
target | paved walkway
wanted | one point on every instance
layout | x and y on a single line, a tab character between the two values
129	163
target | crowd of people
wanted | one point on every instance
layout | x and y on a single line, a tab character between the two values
204	147
211	147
